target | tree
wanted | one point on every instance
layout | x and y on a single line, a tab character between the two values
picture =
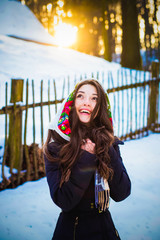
105	33
130	56
84	11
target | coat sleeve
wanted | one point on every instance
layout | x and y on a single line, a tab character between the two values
120	185
71	192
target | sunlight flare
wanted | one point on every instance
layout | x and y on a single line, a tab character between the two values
65	34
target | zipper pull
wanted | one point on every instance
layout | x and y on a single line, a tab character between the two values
76	221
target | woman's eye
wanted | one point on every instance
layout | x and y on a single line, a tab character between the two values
95	99
79	96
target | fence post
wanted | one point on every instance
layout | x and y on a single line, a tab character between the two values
153	113
15	125
155	69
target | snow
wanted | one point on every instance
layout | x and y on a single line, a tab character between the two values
13	12
138	217
28	212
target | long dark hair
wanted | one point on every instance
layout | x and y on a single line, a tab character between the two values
100	131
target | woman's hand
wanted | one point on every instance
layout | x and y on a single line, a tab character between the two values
88	145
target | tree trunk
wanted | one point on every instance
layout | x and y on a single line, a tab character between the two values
105	35
130	57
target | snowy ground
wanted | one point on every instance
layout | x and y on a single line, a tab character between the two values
29	213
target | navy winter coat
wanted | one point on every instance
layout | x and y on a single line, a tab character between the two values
79	219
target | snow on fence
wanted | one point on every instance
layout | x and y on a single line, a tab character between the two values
135	101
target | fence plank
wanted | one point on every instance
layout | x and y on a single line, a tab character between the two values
102	78
49	108
42	141
68	85
6	139
114	97
127	124
108	81
63	88
153	104
20	153
55	94
34	134
122	105
136	119
131	106
41	108
25	137
92	76
159	109
158	105
15	123
75	80
97	76
144	100
118	79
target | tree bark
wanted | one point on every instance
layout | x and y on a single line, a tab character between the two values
130	56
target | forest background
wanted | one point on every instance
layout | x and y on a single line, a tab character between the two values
124	31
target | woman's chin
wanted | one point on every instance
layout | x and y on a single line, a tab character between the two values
85	123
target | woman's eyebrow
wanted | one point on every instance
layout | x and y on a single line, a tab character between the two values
80	92
84	92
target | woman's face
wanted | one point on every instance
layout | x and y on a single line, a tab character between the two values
85	102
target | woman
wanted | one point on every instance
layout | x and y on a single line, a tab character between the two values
84	167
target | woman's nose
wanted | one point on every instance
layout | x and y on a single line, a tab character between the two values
86	102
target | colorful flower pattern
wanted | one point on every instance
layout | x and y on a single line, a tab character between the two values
63	123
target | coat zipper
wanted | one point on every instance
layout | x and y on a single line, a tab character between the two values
75	225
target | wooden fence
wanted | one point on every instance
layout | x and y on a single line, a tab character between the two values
135	109
140	109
